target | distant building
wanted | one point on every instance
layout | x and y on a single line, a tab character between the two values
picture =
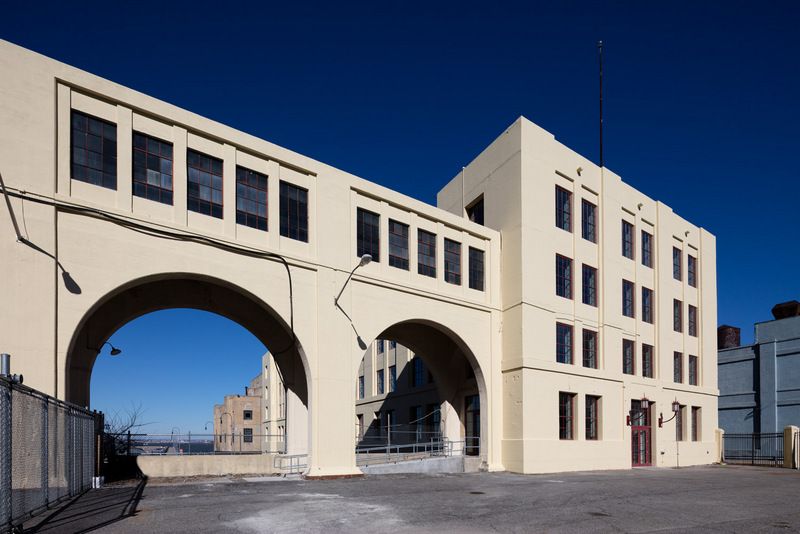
759	384
237	421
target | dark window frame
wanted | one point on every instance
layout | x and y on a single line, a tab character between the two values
93	150
452	262
589	349
392	378
647	305
628	299
647	249
592	412
691	270
147	152
679	434
677	367
563	209
477	268
247	435
565	346
648	357
426	253
209	169
380	382
293	211
247	415
628	360
677	264
251	194
368	234
398	253
693	369
588	221
696	420
566	415
475	211
563	276
628	240
691	317
589	285
677	315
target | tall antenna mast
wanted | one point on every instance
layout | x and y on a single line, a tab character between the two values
600	58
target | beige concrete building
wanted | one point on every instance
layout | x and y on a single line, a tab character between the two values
125	204
237	421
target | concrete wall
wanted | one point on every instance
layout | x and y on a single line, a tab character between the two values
205	464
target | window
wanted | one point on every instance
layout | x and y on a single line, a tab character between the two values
426	253
679	424
589	285
566	408
452	262
647	305
418	372
563	209
379	377
589	221
695	423
627	298
647	249
368	234
475	211
434	418
590	349
248	435
692	320
563	277
677	315
204	189
251	198
563	343
294	212
380	347
393	345
94	150
392	378
592	417
647	360
152	168
627	239
247	415
691	270
628	357
361	387
677	367
692	370
416	421
476	269
398	245
677	263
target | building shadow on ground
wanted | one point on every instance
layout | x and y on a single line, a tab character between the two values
91	510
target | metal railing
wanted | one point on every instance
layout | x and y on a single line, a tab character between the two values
754	449
290	463
129	444
48	451
380	454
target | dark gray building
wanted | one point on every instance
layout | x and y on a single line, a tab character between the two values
759	384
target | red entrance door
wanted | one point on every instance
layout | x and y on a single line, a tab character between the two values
641	444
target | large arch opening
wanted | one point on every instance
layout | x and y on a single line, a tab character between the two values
179	290
419	382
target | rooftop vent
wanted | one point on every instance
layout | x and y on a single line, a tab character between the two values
786	309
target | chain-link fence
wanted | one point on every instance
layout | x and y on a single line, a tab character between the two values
48	451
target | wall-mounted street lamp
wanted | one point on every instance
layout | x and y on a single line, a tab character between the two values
365	259
676	407
644	404
114	350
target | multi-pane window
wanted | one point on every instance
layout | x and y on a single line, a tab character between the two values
392	378
692	320
647	249
418	372
677	263
647	305
94	150
380	346
361	387
247	434
398	245
677	367
426	253
563	343
647	360
379	378
677	315
475	211
563	209
294	212
566	415
627	299
679	423
691	270
152	168
692	370
589	221
563	276
589	285
368	234
695	423
628	357
592	417
204	187
627	239
590	349
476	269
452	262
251	198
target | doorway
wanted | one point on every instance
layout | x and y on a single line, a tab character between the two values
472	425
641	435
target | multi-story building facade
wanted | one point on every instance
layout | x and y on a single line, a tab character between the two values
759	384
609	310
237	421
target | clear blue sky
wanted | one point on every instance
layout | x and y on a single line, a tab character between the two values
701	109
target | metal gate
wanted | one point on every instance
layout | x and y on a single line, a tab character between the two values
754	449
